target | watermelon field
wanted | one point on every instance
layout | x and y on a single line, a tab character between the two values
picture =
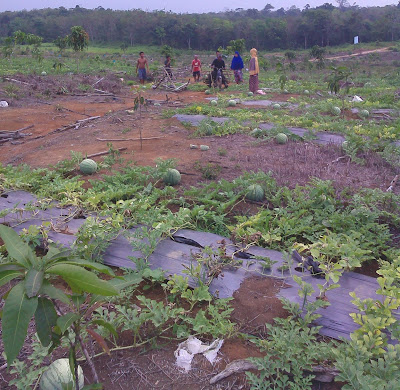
308	169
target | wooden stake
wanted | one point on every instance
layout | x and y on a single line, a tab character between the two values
104	153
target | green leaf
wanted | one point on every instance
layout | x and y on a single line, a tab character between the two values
79	277
17	313
33	282
16	248
6	276
94	386
65	321
53	292
106	325
45	318
90	264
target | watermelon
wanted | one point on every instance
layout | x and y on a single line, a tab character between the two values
276	106
213	102
44	73
256	133
255	193
285	91
336	110
59	374
249	93
88	166
208	129
204	147
232	103
157	104
345	144
306	92
208	92
364	113
281	138
172	177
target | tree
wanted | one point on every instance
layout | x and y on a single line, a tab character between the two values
78	40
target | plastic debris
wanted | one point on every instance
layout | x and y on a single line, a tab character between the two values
357	99
3	103
204	147
193	346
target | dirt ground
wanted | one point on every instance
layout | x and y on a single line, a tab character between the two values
291	164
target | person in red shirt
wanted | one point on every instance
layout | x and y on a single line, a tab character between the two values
196	68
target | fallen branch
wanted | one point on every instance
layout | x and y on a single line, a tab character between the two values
16	81
97	81
126	139
392	184
339	158
16	131
75	125
106	152
322	374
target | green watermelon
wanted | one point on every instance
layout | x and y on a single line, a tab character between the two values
232	103
306	92
336	111
172	177
157	104
285	91
204	147
208	92
276	106
88	166
281	138
364	113
256	133
249	93
345	144
255	193
59	374
208	129
213	102
44	73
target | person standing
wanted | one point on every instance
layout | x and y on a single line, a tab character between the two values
141	66
196	68
237	66
167	66
254	70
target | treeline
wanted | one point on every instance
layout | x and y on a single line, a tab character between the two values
267	29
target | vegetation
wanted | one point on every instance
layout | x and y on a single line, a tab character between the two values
267	29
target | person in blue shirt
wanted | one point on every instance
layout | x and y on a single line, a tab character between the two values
237	67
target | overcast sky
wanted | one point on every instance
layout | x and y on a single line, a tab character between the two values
175	5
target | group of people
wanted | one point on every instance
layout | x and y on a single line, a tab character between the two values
237	65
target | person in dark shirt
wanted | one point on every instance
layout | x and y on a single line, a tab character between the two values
218	63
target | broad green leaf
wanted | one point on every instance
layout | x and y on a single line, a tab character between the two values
65	321
85	280
6	276
45	318
92	265
53	292
127	281
17	313
16	248
10	267
33	282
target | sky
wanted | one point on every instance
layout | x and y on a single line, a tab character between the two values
179	6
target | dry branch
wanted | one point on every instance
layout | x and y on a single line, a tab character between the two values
75	125
392	184
16	81
126	139
105	152
322	374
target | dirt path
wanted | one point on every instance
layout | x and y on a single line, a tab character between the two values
360	53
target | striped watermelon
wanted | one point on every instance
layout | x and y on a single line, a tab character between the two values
255	193
172	177
59	374
281	138
88	166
